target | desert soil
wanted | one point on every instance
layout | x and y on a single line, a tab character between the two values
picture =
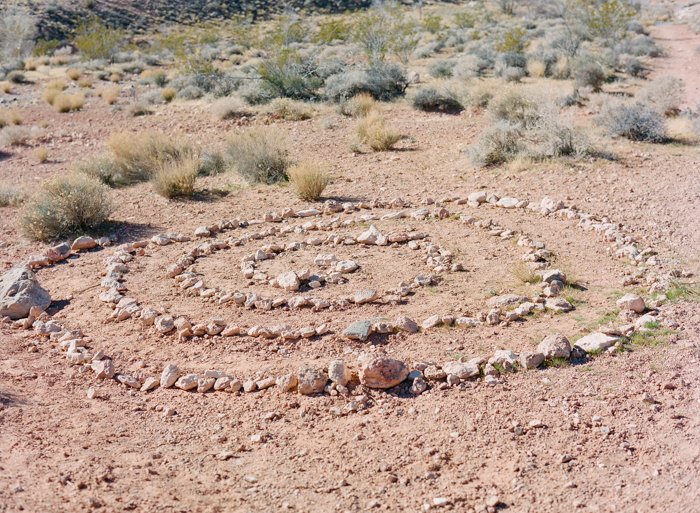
590	443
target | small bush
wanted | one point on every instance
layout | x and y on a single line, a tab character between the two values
84	82
97	41
211	163
635	68
6	87
308	179
10	117
589	75
498	143
74	74
155	76
41	154
259	155
515	107
50	95
190	93
138	108
441	68
16	77
374	131
110	95
636	121
467	67
104	169
115	77
432	100
664	93
10	196
168	94
384	81
176	178
536	68
65	103
139	155
229	108
289	110
57	84
64	205
15	135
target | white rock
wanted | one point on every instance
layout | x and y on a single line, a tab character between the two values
338	372
631	302
169	376
289	281
596	342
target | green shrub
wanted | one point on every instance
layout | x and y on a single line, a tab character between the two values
259	155
607	19
512	41
465	20
433	23
441	68
384	81
333	30
498	143
105	169
64	205
589	75
289	75
96	40
432	100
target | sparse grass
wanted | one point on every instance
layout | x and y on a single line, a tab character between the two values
524	273
176	178
11	196
140	155
41	154
138	108
308	179
557	362
115	77
84	82
678	292
374	131
105	169
10	117
290	110
653	338
259	155
15	135
65	204
57	84
229	108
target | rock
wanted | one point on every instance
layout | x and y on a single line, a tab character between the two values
555	346
83	242
530	360
506	300
323	260
19	292
372	236
631	302
129	381
338	372
641	323
596	342
160	240
382	372
104	369
558	304
406	324
431	322
91	393
149	384
202	231
552	275
311	380
346	266
187	382
476	198
286	382
165	324
365	296
461	370
419	386
358	330
467	321
59	252
507	203
309	212
204	384
288	281
493	317
169	376
434	373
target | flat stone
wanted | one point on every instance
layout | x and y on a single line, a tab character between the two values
160	239
373	237
358	330
507	203
554	274
382	372
365	296
431	322
506	300
149	384
529	360
558	304
346	266
596	342
286	382
461	370
187	382
289	281
129	381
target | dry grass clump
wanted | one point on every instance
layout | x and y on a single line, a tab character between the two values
10	117
115	77
229	108
359	106
41	154
68	102
168	94
10	196
6	87
105	169
74	74
289	110
84	82
374	131
139	155
15	135
663	93
259	155
50	95
536	68
308	179
58	84
16	77
66	204
138	108
110	94
524	273
176	178
30	65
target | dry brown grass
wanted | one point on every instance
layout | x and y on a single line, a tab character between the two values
62	103
43	60
115	77
536	68
140	155
74	74
6	87
30	65
41	154
259	155
10	117
308	179
59	60
110	95
57	84
168	94
359	106
290	110
229	108
176	178
11	196
50	95
84	82
15	136
524	273
374	131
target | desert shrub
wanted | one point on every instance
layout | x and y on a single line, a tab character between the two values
64	205
635	68
41	154
374	131
606	19
11	196
96	40
433	23
57	84
16	77
175	178
15	135
289	74
636	121
74	74
499	143
289	109
333	30
664	93
359	105
103	168
6	87
259	155
512	40
65	103
308	180
155	76
110	95
211	163
168	94
430	99
480	96
49	95
84	82
589	75
115	77
190	93
465	19
515	107
551	138
139	155
468	67
10	117
441	68
229	108
254	94
17	33
536	68
384	81
138	108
